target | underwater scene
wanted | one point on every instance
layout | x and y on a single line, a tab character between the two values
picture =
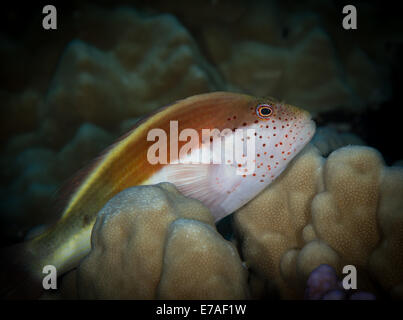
201	150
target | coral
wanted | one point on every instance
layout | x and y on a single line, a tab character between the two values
349	203
107	86
99	86
279	73
386	262
322	280
288	51
88	140
328	139
152	242
107	66
324	284
345	209
273	222
66	99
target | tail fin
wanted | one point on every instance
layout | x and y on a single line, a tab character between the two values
17	277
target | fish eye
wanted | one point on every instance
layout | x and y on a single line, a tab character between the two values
264	111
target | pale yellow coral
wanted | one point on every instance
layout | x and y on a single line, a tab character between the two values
198	264
257	56
345	210
273	222
146	243
345	214
386	262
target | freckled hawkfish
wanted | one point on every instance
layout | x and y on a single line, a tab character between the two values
280	131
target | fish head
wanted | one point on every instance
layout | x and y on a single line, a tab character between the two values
278	133
273	133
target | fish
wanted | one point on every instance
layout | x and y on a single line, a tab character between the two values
279	132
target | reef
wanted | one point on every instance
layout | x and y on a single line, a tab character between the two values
285	48
152	242
83	86
345	209
323	284
108	66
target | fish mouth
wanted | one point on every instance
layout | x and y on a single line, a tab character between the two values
310	128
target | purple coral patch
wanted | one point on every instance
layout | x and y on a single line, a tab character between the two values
323	284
